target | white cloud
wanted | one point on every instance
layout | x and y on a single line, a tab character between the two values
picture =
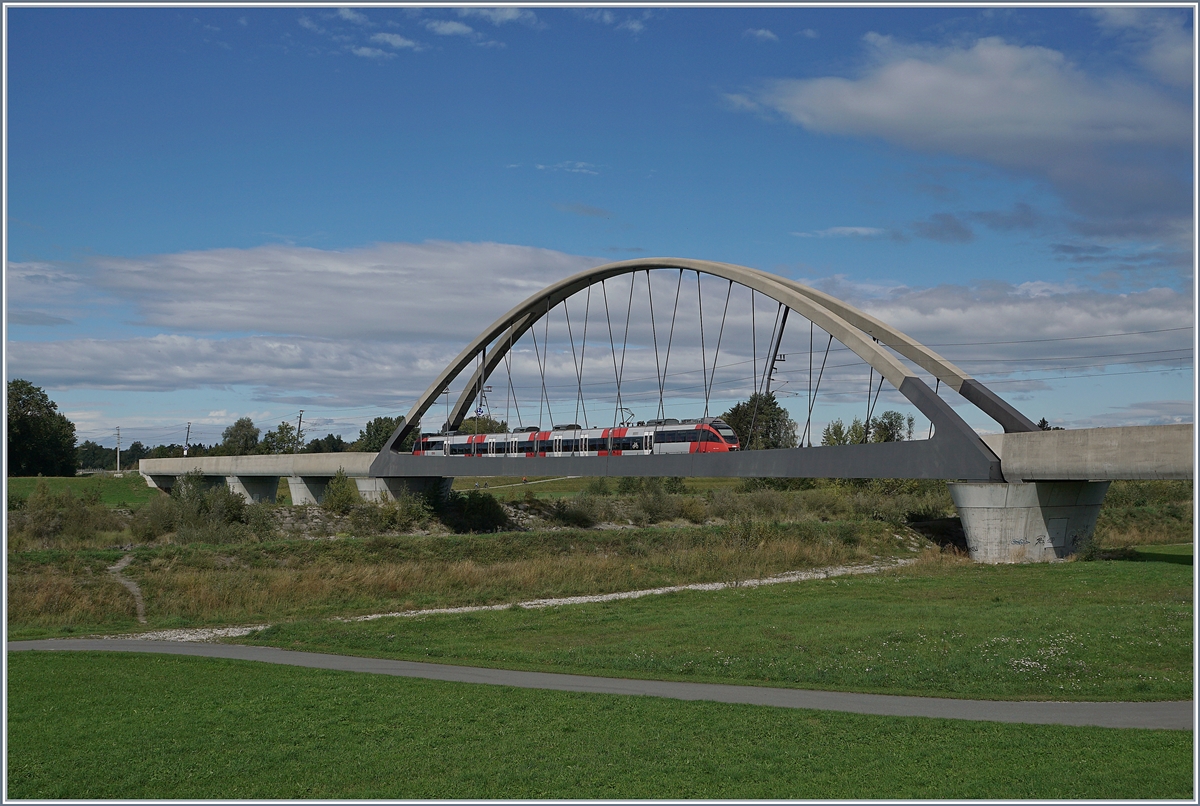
371	53
500	16
571	166
1159	38
306	22
1150	412
449	28
843	232
350	15
808	33
1101	141
242	287
395	41
373	326
761	34
635	25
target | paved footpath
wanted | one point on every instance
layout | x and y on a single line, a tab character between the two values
1160	715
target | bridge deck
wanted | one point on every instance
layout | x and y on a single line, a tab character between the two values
1134	452
1097	454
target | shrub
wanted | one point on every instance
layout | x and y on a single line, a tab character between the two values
341	494
397	515
629	485
723	503
653	505
60	520
472	511
598	486
200	512
154	519
826	503
674	485
692	508
573	512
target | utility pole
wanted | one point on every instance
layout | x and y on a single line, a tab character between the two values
186	439
296	445
118	449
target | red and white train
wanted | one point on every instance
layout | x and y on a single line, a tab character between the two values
705	435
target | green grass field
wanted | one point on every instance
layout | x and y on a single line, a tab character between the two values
1069	631
154	726
129	491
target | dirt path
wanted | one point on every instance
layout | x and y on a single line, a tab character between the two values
201	634
791	576
130	585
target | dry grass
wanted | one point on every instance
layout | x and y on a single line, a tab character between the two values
228	590
55	598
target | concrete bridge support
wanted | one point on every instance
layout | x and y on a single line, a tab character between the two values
1035	521
307	489
254	488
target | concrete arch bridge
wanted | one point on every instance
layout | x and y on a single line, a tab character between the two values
1024	495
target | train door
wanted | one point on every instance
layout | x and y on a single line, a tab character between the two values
556	441
512	445
648	442
491	447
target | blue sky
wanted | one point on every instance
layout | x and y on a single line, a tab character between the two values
218	212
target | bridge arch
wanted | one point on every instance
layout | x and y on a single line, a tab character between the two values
866	336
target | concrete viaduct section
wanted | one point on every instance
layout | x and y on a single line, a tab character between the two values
257	477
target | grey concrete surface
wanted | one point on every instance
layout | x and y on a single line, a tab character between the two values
1097	454
275	464
1152	715
1029	521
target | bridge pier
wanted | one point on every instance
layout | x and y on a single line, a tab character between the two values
254	488
1035	521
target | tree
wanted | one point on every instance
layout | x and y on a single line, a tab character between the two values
835	433
279	440
372	438
1044	425
891	426
240	438
93	456
135	451
773	426
41	440
331	443
483	425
